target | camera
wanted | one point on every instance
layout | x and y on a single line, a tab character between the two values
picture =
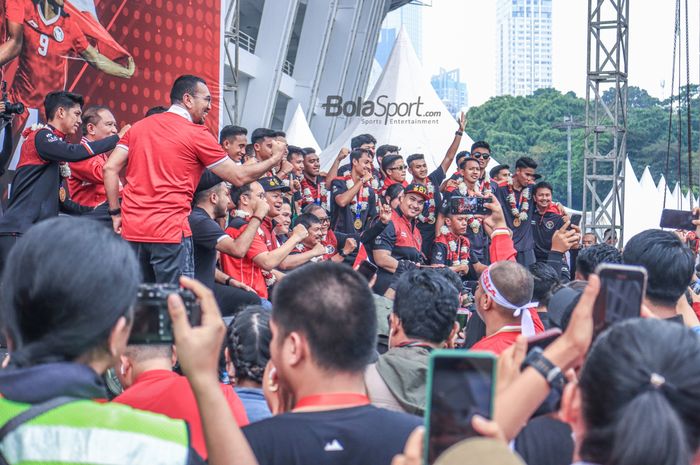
152	324
10	107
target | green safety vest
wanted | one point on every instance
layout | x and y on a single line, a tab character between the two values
88	432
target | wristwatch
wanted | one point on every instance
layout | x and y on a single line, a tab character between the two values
115	212
459	133
552	373
228	281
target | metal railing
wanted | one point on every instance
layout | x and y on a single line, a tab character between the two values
245	41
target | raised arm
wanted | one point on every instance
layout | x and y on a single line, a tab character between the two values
452	150
333	172
107	66
239	175
52	148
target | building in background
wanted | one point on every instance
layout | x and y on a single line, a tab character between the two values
524	46
410	17
451	90
298	52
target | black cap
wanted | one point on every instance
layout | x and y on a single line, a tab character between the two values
207	181
418	189
273	183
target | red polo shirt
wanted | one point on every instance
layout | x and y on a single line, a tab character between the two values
166	392
244	269
499	341
167	155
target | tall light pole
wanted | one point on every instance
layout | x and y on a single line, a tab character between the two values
568	124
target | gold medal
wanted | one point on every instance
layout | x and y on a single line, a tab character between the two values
431	220
358	224
516	222
62	194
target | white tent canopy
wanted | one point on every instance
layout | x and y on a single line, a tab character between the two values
299	133
644	201
427	126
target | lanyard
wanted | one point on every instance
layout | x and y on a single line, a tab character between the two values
339	399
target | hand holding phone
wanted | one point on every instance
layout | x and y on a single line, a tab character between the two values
622	289
460	385
678	219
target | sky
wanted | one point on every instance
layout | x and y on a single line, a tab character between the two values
462	34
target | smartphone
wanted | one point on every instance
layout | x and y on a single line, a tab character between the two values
576	219
543	339
470	205
677	219
622	289
460	384
367	269
152	324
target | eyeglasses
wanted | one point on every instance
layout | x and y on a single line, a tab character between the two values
324	220
478	155
400	168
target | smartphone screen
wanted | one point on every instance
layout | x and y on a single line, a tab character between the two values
622	289
576	219
677	219
460	385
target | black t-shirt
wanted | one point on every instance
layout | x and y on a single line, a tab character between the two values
343	218
522	235
206	233
364	435
543	227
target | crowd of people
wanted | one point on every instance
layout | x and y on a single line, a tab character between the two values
322	295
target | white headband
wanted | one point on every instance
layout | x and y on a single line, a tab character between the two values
527	327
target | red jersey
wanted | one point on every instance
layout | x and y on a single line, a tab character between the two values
244	269
170	394
47	44
331	244
86	181
269	234
314	192
499	341
167	155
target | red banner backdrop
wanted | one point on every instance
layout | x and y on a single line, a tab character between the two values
164	38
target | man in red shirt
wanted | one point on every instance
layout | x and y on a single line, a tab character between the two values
146	373
86	181
257	268
503	302
43	36
164	156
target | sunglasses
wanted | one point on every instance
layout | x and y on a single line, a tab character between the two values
478	155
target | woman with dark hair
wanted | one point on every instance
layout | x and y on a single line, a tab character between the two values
393	195
638	399
247	353
68	288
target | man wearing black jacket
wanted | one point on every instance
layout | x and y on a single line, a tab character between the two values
35	187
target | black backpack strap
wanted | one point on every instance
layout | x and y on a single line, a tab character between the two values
31	413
